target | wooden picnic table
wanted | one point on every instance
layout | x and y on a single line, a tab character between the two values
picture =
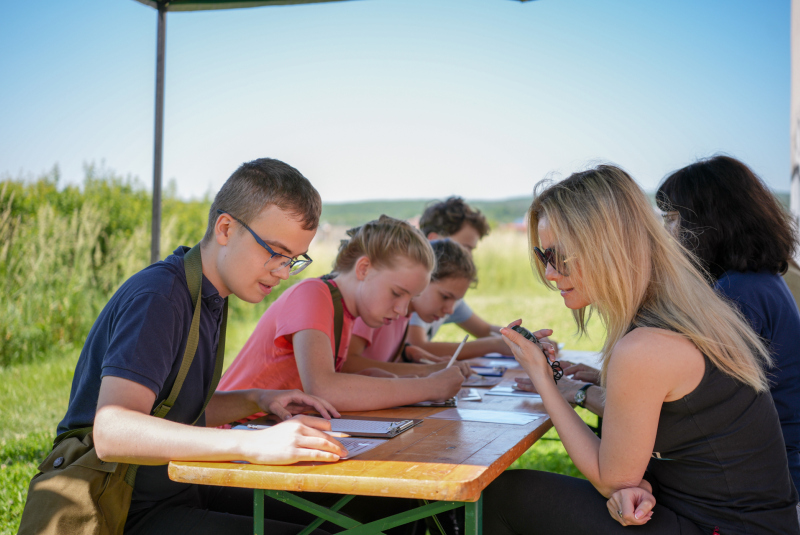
446	461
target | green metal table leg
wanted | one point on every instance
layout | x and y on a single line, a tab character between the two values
258	512
473	513
318	522
310	507
353	527
402	518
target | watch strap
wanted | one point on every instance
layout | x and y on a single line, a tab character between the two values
581	400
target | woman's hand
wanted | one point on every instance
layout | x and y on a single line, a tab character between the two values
301	438
581	372
566	386
528	354
632	506
286	403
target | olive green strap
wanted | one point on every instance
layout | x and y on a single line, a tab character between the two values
338	313
219	360
193	265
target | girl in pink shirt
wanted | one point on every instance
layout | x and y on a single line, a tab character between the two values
455	273
383	265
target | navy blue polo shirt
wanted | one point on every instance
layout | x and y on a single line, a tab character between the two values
141	335
765	299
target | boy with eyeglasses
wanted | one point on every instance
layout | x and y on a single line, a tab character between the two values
260	226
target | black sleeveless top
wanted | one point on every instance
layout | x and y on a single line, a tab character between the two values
720	461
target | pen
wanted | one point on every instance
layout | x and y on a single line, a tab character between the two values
455	355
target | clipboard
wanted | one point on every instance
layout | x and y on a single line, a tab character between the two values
355	426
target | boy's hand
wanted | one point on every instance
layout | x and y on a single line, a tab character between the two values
298	439
286	403
445	383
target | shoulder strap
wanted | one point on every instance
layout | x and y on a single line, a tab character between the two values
193	266
338	312
398	356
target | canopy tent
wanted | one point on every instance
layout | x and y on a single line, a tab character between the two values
185	5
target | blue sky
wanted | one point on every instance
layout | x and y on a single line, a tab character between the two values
399	98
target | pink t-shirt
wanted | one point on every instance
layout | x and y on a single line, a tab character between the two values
384	341
267	359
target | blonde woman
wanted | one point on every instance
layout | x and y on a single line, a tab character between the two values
691	440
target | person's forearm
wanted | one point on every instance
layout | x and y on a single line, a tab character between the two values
595	401
349	392
226	407
356	363
475	348
581	444
123	435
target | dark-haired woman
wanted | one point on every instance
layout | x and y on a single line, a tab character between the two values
744	238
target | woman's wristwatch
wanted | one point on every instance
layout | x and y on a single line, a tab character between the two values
580	395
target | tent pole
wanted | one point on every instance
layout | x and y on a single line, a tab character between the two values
155	243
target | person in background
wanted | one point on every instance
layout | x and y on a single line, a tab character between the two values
379	269
385	345
691	441
456	220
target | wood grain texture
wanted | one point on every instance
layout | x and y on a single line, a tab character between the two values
436	460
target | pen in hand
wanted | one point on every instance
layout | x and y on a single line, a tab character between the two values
458	350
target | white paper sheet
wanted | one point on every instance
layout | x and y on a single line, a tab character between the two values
494	417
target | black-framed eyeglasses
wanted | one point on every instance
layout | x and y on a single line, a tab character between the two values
550	256
277	261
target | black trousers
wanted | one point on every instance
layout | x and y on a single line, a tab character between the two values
207	510
529	502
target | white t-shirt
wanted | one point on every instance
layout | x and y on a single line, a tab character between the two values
461	313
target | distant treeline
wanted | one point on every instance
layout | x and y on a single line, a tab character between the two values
355	213
500	212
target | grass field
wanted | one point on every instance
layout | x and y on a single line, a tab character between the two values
33	396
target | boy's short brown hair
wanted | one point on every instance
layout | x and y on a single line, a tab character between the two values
447	217
260	183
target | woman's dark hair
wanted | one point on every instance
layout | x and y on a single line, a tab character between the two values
728	217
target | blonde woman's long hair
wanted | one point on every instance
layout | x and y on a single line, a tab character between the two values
635	274
382	241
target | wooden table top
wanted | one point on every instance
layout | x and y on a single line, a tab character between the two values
436	460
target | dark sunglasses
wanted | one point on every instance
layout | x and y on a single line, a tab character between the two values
550	256
277	261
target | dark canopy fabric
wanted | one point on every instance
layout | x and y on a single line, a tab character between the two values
205	5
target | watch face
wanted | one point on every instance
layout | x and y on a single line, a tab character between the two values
580	397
